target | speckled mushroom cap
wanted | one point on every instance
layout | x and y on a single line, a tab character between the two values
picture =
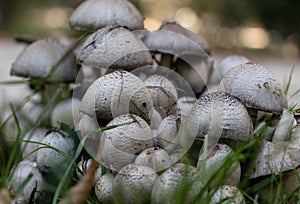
174	39
229	62
134	183
220	116
37	60
163	94
214	161
173	180
120	145
94	14
227	195
156	158
103	188
116	48
115	94
255	86
275	158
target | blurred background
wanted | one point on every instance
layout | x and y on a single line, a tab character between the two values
266	31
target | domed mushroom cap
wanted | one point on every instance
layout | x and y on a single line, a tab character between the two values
174	39
220	116
229	62
103	188
37	60
156	158
134	183
163	94
255	86
120	145
114	47
33	188
115	94
215	161
176	178
227	194
94	14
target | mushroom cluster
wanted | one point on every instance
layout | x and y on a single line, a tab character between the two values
141	106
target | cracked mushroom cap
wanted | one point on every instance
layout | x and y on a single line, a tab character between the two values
255	86
176	178
174	39
229	62
133	184
115	94
163	94
121	144
220	116
228	195
116	48
37	60
94	14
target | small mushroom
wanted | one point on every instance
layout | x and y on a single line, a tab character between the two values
228	195
29	149
66	111
103	188
33	189
163	94
284	126
156	158
94	14
121	144
170	184
214	162
220	116
229	62
115	94
133	184
255	86
37	60
116	48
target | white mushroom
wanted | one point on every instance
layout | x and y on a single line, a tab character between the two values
103	188
94	14
33	190
116	48
174	181
115	94
163	94
133	184
37	60
213	166
228	195
120	145
284	127
29	149
156	158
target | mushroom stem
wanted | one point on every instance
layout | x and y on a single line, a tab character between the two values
284	127
253	114
166	60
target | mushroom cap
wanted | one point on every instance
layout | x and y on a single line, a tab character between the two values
229	62
134	183
156	158
174	39
255	86
103	188
34	187
120	145
215	161
116	48
29	148
173	180
275	158
50	161
163	94
114	94
37	59
94	14
220	116
227	194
